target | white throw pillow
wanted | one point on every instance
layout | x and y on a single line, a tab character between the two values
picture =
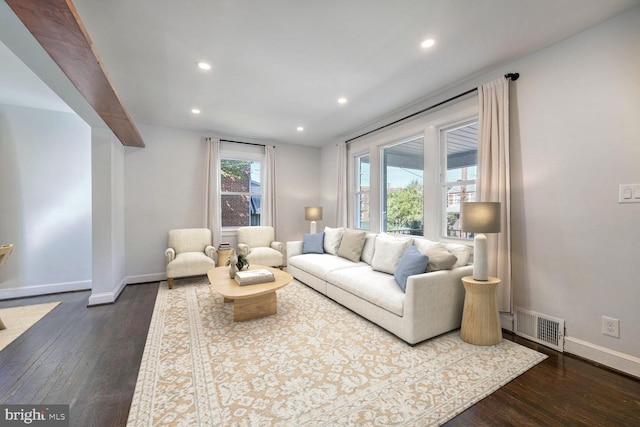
388	251
462	252
332	238
369	248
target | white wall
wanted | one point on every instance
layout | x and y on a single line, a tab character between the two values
574	139
108	222
45	201
165	190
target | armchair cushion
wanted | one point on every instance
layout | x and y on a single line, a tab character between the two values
258	244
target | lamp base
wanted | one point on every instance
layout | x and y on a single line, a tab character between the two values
313	229
480	262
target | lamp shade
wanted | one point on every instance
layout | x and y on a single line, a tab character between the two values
313	213
480	217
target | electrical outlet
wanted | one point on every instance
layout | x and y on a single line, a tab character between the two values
611	326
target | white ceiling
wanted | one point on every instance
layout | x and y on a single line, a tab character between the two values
280	64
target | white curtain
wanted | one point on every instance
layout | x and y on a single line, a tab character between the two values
269	194
213	220
494	178
341	205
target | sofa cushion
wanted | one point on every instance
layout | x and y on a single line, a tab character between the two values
375	287
369	248
388	251
351	244
321	264
412	262
332	238
439	257
462	252
313	243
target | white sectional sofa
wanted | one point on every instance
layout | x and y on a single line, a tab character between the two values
365	280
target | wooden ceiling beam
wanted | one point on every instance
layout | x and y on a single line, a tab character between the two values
56	25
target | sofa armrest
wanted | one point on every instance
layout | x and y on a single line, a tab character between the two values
169	254
437	298
294	248
243	249
210	251
278	246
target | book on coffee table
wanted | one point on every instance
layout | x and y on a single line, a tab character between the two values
251	277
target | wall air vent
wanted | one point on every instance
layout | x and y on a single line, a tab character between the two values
543	329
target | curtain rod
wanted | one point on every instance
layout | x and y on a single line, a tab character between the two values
246	143
510	76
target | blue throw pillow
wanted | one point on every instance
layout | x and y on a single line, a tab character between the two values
412	262
313	243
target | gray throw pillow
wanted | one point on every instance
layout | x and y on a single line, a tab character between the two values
351	244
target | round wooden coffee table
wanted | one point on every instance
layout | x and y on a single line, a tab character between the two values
249	301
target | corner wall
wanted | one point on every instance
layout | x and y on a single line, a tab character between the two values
108	247
165	190
45	201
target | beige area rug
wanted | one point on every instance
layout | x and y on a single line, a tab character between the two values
313	363
19	319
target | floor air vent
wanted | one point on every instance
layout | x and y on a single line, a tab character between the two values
540	328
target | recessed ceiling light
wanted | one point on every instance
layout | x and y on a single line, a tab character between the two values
195	111
428	43
204	66
342	100
299	128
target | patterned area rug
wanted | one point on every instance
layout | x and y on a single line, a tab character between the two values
313	363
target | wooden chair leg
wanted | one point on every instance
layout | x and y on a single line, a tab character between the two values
170	281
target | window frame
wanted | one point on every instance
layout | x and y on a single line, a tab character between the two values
383	175
251	156
444	184
429	126
358	192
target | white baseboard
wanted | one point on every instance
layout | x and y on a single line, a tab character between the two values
107	297
619	361
144	278
52	288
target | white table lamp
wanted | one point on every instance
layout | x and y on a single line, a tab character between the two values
313	214
480	218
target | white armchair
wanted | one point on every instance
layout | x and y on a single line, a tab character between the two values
189	253
258	244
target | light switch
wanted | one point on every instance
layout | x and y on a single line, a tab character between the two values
629	193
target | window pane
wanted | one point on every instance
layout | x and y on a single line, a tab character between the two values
236	210
457	194
240	176
236	176
362	192
462	159
402	187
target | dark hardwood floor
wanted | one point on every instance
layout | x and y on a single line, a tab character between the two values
89	358
85	357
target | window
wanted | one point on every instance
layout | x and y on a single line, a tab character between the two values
402	187
241	192
363	175
459	184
